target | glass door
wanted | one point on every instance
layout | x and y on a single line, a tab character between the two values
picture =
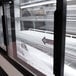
34	25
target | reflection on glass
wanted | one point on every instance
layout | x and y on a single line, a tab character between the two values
31	1
2	45
40	17
70	51
34	35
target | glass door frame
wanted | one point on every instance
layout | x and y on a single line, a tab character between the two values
59	37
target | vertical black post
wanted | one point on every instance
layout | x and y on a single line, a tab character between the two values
5	27
59	37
